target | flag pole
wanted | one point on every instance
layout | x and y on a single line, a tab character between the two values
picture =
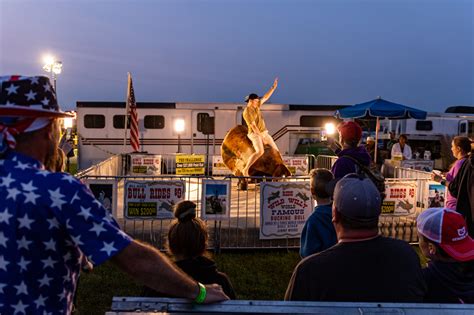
127	105
377	126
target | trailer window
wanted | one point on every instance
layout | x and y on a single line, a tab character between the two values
205	123
424	125
201	120
154	122
94	121
119	121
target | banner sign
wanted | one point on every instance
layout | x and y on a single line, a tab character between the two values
400	198
105	191
215	201
190	164
218	166
145	164
152	199
297	165
436	195
284	208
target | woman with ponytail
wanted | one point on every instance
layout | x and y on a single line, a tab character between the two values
187	242
460	147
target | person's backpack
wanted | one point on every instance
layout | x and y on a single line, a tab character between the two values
373	175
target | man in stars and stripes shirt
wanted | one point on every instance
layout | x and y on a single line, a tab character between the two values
49	221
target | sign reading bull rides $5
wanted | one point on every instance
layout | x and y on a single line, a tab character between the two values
152	199
400	198
284	208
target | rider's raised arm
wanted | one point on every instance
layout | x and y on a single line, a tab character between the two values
270	92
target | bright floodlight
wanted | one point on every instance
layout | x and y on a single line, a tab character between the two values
48	60
179	125
67	122
52	65
57	67
330	128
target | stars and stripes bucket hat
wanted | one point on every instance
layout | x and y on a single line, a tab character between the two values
28	96
27	103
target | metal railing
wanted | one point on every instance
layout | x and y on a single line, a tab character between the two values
325	161
242	230
401	172
147	305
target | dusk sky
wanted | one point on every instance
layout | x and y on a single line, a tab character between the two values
415	52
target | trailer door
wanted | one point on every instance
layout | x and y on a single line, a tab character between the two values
203	137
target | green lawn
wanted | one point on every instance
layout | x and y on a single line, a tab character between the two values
259	275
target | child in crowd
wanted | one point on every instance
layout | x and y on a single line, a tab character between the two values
187	241
445	241
318	232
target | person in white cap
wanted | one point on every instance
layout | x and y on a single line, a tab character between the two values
445	241
363	266
370	147
50	220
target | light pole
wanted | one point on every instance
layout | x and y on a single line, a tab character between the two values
68	145
179	128
54	67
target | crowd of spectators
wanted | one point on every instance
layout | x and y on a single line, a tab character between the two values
51	225
374	268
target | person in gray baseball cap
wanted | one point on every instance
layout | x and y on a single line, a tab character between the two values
363	266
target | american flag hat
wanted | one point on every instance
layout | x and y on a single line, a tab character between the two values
28	96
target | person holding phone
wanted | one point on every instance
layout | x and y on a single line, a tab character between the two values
460	147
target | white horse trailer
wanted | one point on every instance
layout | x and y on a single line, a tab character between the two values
101	127
447	124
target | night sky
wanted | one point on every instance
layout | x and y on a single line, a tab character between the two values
415	52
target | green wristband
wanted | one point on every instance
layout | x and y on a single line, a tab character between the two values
202	294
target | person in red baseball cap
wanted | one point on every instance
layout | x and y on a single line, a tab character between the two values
350	134
445	241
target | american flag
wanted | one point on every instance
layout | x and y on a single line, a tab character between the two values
132	105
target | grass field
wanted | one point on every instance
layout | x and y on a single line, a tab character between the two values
259	275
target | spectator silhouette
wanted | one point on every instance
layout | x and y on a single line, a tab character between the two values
445	241
50	220
462	188
363	266
318	232
187	242
350	134
460	148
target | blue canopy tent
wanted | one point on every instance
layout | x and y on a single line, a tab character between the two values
379	108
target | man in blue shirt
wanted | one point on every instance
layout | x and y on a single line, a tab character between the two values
318	232
49	221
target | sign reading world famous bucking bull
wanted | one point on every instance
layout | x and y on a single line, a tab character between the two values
284	208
